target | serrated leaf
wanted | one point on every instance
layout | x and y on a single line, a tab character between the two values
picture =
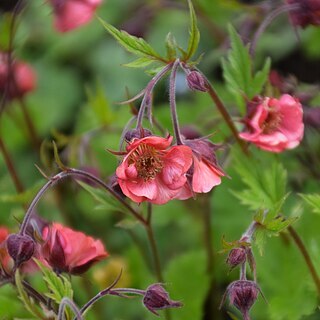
260	239
28	303
280	223
260	78
137	46
57	157
313	200
139	63
58	286
106	202
194	37
227	246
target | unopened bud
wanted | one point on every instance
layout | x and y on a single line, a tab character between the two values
156	298
242	294
20	248
137	134
236	256
196	81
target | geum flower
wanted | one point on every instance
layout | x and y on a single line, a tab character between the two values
152	170
205	173
274	124
66	250
71	14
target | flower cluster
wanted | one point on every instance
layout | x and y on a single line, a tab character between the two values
154	171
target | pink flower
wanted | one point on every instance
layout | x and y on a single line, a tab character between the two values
152	170
275	125
17	80
70	251
4	255
205	172
71	14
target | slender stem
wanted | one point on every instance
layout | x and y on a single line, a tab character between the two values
223	111
74	173
269	18
173	106
34	293
30	126
147	94
153	245
243	271
11	168
298	241
68	302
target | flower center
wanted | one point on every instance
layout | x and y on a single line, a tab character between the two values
147	161
272	122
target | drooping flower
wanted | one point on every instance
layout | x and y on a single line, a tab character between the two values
242	294
156	298
307	12
66	250
274	124
71	14
152	170
16	79
205	172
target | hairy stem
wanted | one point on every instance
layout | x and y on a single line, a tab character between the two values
11	168
147	94
173	106
80	174
223	111
302	248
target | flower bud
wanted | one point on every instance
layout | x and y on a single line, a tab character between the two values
196	81
137	134
156	298
20	248
307	12
242	294
236	256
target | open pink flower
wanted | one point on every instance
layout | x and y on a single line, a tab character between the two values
71	14
275	125
70	251
17	80
152	170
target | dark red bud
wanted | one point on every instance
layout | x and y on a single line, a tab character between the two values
156	298
137	134
196	81
20	248
236	256
307	12
243	294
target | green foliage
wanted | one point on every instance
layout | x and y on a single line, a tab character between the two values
313	200
58	286
192	290
194	37
241	81
28	303
137	46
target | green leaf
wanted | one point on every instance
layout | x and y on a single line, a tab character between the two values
191	291
194	37
100	105
57	157
265	183
238	72
28	303
171	45
279	224
139	63
137	46
105	200
313	200
58	286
